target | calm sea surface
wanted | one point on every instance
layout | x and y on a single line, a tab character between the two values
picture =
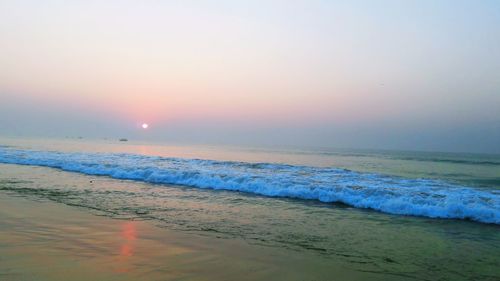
410	215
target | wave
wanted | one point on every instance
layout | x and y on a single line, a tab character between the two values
389	194
453	161
446	157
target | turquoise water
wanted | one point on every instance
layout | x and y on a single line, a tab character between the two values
413	246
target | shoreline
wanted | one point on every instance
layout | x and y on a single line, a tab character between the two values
56	225
374	191
44	240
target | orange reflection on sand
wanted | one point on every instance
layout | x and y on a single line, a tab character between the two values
126	250
129	234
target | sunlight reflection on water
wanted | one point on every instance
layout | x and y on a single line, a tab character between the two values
129	236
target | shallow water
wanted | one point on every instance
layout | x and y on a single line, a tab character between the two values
439	197
46	241
478	170
360	240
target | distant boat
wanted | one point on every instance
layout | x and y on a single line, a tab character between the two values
123	139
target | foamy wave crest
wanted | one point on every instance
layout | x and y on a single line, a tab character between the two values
395	195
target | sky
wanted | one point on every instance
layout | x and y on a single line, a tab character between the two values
412	75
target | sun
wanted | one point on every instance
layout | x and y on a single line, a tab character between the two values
145	125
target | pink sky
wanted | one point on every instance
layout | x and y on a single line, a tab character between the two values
264	64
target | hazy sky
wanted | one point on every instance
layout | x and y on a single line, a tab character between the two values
372	74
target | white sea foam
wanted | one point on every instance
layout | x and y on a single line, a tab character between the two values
395	195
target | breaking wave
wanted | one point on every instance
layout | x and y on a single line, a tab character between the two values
389	194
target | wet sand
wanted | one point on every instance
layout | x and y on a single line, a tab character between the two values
42	240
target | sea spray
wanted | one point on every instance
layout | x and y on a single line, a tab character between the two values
390	194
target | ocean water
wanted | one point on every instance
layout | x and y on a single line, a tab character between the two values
414	215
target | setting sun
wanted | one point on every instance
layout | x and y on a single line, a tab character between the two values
297	140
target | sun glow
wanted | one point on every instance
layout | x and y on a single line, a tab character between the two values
145	126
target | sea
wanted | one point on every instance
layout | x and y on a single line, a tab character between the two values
407	214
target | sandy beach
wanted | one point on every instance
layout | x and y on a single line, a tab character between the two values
249	140
42	240
59	225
